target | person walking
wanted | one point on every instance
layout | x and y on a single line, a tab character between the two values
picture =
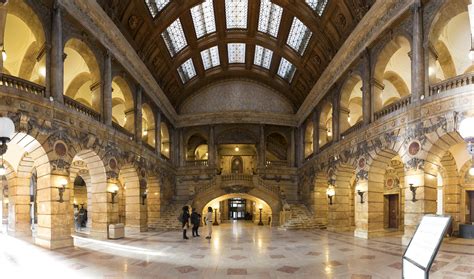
185	220
195	221
209	222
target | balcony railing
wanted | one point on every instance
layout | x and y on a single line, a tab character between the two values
352	129
236	177
451	83
122	129
196	163
23	85
404	102
73	104
279	163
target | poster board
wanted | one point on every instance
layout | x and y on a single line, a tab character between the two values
424	245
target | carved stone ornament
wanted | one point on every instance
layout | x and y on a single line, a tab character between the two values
413	148
60	148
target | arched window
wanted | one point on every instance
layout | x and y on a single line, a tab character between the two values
122	104
148	125
237	165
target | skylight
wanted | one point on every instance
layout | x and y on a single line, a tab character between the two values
269	18
317	5
155	6
236	13
210	57
299	36
174	37
236	52
203	18
186	70
286	70
263	57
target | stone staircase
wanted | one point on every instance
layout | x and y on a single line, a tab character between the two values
169	218
301	218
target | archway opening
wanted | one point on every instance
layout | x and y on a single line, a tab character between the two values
197	148
237	158
277	149
123	112
351	103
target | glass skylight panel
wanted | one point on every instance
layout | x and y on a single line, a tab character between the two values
203	18
210	57
299	36
155	6
286	70
236	52
269	18
236	13
186	70
174	37
317	5
263	57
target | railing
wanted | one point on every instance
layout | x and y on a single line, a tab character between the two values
352	129
236	177
274	189
122	129
196	163
23	85
279	163
404	102
451	83
72	104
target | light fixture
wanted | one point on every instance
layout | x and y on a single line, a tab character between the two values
331	192
361	193
215	218
7	128
471	171
4	54
62	189
260	223
42	71
349	118
144	196
113	191
236	149
471	55
167	150
413	192
145	132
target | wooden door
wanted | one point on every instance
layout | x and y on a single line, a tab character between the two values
471	205
393	211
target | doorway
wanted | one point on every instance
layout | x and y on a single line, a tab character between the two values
470	206
392	202
237	209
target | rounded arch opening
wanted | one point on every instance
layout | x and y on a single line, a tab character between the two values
148	125
351	103
122	104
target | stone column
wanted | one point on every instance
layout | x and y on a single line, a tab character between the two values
19	207
366	89
315	120
57	66
107	90
361	215
339	211
292	154
261	148
335	117
320	199
376	89
138	115
134	210
344	124
182	149
153	201
211	147
418	52
300	145
158	133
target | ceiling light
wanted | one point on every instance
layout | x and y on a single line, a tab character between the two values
3	170
4	55
236	149
471	55
42	71
167	149
471	171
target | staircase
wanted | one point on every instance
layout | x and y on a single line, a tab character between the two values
301	218
169	218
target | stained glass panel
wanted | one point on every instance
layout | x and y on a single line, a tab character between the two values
263	57
203	18
210	57
286	70
317	5
236	13
174	37
269	18
299	36
236	52
186	70
155	6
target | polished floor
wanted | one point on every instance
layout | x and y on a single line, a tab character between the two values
236	250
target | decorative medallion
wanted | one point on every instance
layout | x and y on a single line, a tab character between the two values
389	183
414	148
60	149
361	163
113	164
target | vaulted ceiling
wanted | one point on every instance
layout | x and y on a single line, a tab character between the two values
188	44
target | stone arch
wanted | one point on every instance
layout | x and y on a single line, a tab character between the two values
342	209
277	148
449	189
81	61
193	142
351	102
308	139
24	43
325	123
123	104
165	140
466	183
148	125
77	170
131	179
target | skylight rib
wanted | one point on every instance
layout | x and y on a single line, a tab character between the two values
155	6
236	52
263	57
236	13
299	36
210	57
269	18
317	5
286	70
203	18
174	37
186	71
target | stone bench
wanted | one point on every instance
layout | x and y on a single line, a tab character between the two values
116	231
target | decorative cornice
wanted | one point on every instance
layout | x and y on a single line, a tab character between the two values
236	117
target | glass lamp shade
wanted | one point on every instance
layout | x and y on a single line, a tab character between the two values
466	129
330	191
3	170
471	171
113	188
7	128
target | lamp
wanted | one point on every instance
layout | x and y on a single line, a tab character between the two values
260	223
144	196
413	192
113	192
7	128
61	190
4	54
236	149
215	218
361	194
331	192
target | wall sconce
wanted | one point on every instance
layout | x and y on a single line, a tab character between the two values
61	190
361	193
413	192
144	196
113	192
7	128
260	223
331	192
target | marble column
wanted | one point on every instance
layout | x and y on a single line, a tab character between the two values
315	120
107	90
261	148
138	115
344	124
182	149
211	147
418	52
158	132
57	53
366	89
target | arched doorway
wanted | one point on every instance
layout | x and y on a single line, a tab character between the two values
237	165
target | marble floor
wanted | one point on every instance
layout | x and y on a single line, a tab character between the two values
236	250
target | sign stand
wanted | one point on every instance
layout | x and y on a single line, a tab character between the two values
424	245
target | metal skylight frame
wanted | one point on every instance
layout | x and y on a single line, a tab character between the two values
174	37
236	13
286	70
263	57
203	18
317	5
299	36
187	71
210	57
156	6
269	18
236	53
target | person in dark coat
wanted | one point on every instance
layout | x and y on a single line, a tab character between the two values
185	220
195	221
